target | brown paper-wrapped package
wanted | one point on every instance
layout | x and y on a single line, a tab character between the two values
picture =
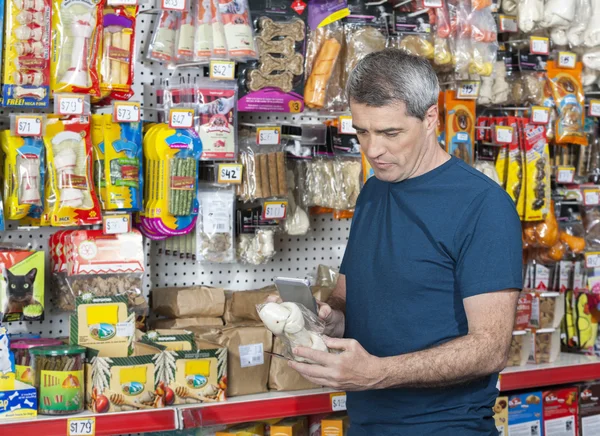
242	380
321	293
281	376
241	305
192	301
183	323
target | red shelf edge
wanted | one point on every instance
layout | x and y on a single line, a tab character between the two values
109	424
233	413
549	376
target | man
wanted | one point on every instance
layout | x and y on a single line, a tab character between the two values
430	278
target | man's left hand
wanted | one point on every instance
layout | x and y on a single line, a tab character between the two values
353	369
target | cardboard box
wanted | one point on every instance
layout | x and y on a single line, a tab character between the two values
561	412
18	402
501	415
545	346
249	429
589	408
525	414
334	425
172	340
520	348
297	426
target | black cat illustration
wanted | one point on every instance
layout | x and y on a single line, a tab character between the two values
19	290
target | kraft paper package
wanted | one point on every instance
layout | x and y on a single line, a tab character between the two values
281	376
184	323
191	301
247	363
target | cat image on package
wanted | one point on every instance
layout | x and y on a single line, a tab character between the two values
22	285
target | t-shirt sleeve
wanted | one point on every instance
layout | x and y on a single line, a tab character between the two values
489	253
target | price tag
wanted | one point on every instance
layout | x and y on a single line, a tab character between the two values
338	401
592	259
181	118
540	114
508	24
126	112
591	197
345	123
230	173
567	59
565	174
116	224
70	105
29	125
268	135
462	137
122	2
468	90
173	5
594	108
503	134
222	70
81	426
275	210
539	45
432	3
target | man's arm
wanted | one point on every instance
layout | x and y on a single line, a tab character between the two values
481	352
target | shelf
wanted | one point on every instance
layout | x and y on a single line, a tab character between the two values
106	424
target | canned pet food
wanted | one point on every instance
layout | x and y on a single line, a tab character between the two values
20	349
59	379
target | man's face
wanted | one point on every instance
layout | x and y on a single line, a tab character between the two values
393	142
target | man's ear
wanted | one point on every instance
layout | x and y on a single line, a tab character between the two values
431	118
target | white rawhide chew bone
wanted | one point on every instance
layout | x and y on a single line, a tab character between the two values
287	319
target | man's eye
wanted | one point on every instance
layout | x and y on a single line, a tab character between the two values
361	132
391	135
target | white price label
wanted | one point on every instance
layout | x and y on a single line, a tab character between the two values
29	125
116	224
432	3
268	135
122	2
565	174
539	45
230	173
468	90
566	59
275	210
594	108
540	115
181	118
338	401
126	112
591	197
81	426
345	123
462	137
173	5
70	105
504	134
592	260
508	24
222	70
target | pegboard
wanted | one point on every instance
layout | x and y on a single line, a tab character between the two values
297	256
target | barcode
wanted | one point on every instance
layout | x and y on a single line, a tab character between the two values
219	226
256	360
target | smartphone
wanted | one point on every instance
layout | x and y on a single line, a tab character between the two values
296	291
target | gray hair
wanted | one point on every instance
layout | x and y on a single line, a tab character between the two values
391	76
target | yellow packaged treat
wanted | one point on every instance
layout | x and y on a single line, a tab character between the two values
537	186
98	158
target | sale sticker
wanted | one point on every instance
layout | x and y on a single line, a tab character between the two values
338	401
567	59
181	118
565	174
222	70
81	426
71	105
594	108
268	135
539	45
540	115
115	224
126	112
503	134
345	123
591	197
468	90
173	5
230	173
29	125
275	210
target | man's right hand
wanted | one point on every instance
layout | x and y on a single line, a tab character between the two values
335	321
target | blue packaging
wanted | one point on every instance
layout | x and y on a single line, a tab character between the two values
525	414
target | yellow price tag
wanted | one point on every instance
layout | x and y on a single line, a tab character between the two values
230	173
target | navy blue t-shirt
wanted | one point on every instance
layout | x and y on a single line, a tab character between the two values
416	249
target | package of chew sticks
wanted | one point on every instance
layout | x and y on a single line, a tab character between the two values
275	83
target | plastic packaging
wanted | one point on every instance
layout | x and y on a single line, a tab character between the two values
500	88
219	42
162	44
315	89
295	325
257	248
184	38
238	29
59	379
264	173
558	13
215	226
487	168
203	31
531	14
591	36
23	358
483	41
575	32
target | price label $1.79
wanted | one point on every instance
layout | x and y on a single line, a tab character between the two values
81	426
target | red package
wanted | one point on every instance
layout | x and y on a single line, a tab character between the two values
561	412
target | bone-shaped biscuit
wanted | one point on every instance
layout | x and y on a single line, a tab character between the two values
283	81
284	46
271	29
38	93
294	65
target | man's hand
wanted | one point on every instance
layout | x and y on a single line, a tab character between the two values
340	370
335	321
